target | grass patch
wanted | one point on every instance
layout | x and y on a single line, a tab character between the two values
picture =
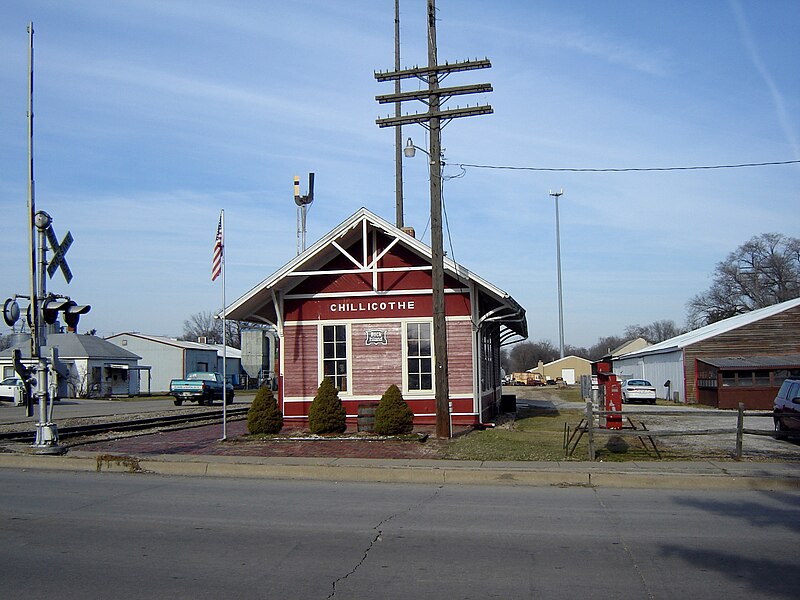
538	434
535	434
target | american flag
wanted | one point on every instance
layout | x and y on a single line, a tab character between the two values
219	247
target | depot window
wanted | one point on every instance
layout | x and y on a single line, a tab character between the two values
419	356
334	355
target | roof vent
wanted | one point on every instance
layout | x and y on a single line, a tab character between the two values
202	340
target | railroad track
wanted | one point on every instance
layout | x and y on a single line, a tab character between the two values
170	422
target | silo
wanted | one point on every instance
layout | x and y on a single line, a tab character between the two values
258	351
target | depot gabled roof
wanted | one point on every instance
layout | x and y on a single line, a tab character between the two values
709	331
257	305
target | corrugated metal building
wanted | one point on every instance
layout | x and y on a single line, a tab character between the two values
171	358
771	331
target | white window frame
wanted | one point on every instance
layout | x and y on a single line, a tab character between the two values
348	349
406	390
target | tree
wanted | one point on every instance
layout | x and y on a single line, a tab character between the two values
205	324
656	332
326	413
393	416
604	346
526	355
263	415
761	272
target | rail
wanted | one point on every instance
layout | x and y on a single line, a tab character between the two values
182	421
571	439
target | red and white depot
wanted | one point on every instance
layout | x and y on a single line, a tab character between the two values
357	307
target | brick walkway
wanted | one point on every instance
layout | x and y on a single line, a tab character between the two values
206	441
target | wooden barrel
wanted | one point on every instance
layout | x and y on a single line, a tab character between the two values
366	417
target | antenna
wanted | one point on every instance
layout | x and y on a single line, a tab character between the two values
303	202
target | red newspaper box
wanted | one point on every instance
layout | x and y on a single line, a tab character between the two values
612	395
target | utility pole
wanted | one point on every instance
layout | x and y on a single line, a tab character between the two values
433	120
557	195
398	130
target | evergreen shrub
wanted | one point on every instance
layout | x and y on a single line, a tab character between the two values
393	416
326	413
263	415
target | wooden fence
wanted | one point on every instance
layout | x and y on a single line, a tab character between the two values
588	427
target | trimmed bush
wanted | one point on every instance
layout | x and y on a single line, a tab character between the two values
393	416
326	413
263	415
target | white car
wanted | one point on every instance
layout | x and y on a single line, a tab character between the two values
7	387
638	390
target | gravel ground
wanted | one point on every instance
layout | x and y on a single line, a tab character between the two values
754	447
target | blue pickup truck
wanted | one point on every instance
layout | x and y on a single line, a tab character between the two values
201	387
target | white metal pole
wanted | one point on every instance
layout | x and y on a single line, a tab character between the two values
224	339
557	195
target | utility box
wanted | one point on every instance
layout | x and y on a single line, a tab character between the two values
19	396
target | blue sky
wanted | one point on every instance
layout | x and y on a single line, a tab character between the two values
151	116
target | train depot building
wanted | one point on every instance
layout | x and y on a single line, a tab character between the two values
357	307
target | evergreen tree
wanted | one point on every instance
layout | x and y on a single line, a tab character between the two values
393	416
326	413
263	415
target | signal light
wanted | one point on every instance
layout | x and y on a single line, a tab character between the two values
51	307
73	312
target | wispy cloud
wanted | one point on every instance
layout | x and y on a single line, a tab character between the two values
614	52
761	67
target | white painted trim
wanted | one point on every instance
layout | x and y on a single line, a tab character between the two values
368	320
352	259
455	414
422	292
404	367
349	349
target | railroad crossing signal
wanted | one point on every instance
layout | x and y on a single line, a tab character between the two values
59	253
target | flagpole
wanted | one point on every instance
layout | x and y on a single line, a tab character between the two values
224	339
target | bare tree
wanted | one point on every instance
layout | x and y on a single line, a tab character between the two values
761	272
604	346
526	355
205	324
655	332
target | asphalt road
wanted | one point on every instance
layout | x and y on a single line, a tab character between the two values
79	535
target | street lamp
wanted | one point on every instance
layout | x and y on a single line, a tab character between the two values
557	195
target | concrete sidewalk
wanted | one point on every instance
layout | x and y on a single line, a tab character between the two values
198	451
719	475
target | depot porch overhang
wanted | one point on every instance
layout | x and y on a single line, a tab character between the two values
348	243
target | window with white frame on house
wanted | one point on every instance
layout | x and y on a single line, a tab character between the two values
419	356
334	354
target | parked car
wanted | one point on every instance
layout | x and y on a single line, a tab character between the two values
8	387
786	407
201	387
638	390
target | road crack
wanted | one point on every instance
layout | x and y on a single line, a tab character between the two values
379	536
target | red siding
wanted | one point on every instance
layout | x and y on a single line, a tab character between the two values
377	366
459	357
300	371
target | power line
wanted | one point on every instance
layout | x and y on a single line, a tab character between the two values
627	169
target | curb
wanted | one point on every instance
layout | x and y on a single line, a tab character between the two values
702	475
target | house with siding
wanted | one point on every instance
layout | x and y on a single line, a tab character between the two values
92	367
357	307
672	365
569	369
